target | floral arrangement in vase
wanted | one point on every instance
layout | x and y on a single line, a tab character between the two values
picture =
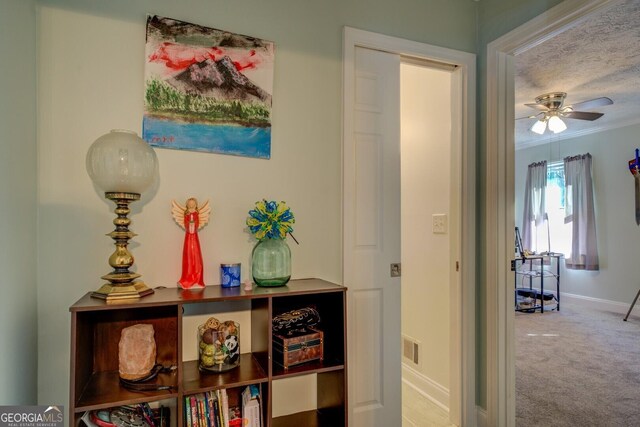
270	222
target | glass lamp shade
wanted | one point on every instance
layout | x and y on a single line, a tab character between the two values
556	125
539	127
120	161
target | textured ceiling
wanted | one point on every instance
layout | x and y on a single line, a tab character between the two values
598	57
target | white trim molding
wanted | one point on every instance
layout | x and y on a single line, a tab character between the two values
435	392
463	371
500	220
581	301
590	303
617	124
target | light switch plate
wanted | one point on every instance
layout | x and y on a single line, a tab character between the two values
440	225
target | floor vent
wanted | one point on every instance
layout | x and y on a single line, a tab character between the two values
411	350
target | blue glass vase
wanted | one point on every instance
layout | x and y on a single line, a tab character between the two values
271	263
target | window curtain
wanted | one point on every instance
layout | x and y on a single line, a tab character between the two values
580	212
534	204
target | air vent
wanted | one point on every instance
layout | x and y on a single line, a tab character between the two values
411	349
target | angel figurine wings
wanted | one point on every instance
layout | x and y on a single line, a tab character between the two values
191	218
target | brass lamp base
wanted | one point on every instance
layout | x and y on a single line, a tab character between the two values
122	285
111	292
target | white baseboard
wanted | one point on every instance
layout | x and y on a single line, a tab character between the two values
592	303
428	388
481	417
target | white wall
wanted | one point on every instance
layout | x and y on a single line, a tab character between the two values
18	320
425	157
91	80
619	276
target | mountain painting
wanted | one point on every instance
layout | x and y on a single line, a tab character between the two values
207	89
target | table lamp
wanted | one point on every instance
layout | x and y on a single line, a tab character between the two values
122	165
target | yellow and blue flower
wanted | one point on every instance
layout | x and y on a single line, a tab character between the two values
270	220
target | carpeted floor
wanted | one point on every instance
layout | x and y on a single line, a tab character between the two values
577	368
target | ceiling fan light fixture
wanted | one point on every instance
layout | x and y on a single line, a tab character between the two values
551	112
556	125
539	127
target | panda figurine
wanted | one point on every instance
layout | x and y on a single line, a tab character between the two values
231	342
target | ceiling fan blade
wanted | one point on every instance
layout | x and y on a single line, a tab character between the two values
529	117
592	103
582	115
537	107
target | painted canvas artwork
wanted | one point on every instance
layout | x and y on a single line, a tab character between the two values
207	89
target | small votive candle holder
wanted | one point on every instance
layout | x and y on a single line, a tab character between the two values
230	275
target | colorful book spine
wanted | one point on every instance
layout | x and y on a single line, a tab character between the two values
219	405
216	414
203	421
187	411
194	412
209	400
225	407
251	407
216	405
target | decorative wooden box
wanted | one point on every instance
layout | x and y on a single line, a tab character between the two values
298	348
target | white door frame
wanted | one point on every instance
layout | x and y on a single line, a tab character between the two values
462	406
500	216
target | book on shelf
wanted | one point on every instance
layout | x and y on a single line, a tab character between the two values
219	407
201	407
207	410
251	406
212	418
225	407
212	408
187	411
194	411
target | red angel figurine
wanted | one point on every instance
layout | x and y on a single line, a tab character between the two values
191	218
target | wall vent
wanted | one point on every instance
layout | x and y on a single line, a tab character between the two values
411	350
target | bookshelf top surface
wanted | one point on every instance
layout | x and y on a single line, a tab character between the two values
171	296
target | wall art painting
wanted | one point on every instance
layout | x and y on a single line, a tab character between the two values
207	90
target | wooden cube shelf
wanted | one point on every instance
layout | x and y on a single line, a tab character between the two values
95	333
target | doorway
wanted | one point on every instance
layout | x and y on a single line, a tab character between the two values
500	196
428	243
371	224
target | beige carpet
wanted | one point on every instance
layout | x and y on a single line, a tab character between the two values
577	367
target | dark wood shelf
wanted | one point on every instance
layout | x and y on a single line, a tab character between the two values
172	296
104	391
307	368
248	372
96	328
320	418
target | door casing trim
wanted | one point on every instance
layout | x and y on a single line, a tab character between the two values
462	407
500	217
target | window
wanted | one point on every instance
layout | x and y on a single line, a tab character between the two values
558	234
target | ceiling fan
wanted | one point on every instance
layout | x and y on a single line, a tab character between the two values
552	111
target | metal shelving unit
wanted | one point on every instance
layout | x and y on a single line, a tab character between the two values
531	269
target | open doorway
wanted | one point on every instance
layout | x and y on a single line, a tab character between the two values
595	98
428	242
371	215
502	64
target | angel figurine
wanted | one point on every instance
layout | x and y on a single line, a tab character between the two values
191	218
